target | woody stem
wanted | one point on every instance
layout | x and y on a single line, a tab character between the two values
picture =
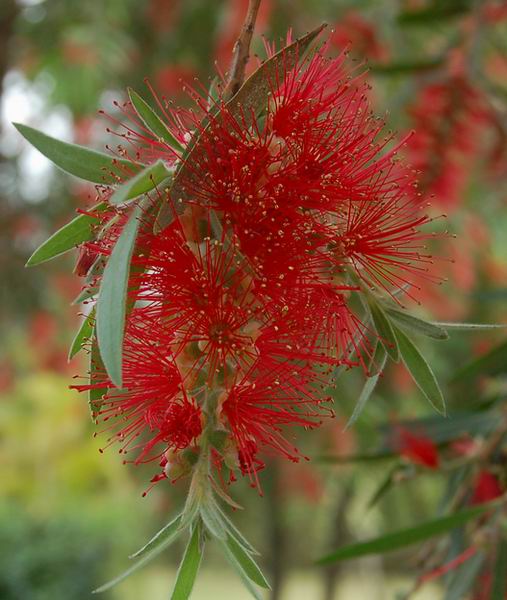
242	51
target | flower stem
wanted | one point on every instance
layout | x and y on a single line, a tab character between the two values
242	51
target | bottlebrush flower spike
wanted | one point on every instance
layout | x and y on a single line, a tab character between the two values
247	291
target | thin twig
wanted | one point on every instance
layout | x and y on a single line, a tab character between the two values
242	51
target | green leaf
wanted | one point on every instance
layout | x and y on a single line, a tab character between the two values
384	330
235	533
145	181
97	371
252	96
189	566
165	536
492	363
247	102
379	360
72	234
213	93
416	325
387	483
407	537
499	587
111	303
152	121
146	558
471	326
244	562
77	160
86	294
421	372
248	584
213	521
84	333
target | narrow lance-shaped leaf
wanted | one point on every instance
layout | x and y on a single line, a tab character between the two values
83	334
213	521
470	326
407	537
236	533
189	566
379	360
145	181
421	372
499	587
145	559
387	483
152	121
416	325
242	560
111	303
165	536
384	330
85	294
77	160
77	231
248	101
97	372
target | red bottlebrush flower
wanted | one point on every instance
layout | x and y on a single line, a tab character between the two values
241	305
418	448
487	488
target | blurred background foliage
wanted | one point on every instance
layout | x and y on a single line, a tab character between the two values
69	516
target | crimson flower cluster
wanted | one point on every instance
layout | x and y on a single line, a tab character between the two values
244	305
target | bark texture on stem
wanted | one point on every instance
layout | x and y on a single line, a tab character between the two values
241	51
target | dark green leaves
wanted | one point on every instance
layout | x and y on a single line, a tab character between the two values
77	160
189	566
111	303
76	232
152	121
421	372
145	181
406	537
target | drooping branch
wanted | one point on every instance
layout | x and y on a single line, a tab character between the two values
242	51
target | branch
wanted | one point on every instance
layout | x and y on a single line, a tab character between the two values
242	51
